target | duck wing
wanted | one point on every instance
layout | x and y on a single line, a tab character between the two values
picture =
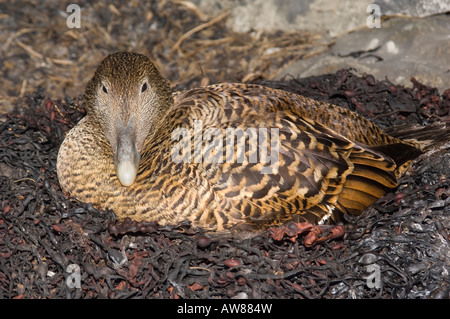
317	173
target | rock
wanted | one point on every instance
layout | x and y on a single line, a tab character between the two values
332	17
402	48
414	8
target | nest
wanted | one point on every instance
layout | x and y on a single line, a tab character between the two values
54	247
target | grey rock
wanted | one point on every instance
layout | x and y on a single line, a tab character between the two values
402	48
332	17
414	8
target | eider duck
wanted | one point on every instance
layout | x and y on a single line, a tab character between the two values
224	157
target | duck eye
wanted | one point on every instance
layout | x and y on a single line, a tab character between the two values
104	89
144	87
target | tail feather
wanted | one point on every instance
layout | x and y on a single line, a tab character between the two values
374	174
423	137
364	186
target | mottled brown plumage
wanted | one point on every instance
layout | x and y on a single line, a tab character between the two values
331	161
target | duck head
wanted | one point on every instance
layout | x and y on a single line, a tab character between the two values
127	98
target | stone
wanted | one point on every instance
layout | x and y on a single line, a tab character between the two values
402	48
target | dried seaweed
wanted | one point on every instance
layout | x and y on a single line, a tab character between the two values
45	236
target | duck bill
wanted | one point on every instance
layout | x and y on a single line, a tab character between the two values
126	157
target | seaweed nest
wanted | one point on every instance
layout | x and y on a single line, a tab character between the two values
399	248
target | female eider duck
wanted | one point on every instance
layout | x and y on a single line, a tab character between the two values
225	156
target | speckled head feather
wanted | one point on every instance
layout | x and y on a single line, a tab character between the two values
121	75
127	97
331	161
